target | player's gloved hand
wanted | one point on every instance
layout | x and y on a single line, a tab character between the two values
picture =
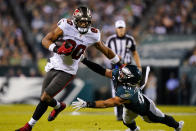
79	104
119	64
65	48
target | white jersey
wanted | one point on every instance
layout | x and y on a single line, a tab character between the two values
69	63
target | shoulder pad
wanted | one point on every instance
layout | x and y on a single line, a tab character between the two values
95	35
63	23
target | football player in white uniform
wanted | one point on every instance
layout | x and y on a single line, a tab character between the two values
76	35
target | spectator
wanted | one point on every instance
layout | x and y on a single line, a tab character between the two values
11	39
172	85
173	17
192	59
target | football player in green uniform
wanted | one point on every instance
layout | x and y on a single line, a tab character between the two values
128	94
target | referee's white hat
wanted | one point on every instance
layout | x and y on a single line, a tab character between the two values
120	23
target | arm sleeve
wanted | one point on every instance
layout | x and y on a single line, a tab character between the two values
94	67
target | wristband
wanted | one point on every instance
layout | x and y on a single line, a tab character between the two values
51	47
91	104
115	59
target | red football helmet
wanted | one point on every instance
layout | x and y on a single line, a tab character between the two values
82	19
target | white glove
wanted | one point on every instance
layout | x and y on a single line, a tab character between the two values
79	104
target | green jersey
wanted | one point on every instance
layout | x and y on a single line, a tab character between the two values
137	102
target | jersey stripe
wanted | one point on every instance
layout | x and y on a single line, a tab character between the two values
122	47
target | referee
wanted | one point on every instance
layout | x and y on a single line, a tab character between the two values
123	45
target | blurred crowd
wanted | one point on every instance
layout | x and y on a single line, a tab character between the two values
160	17
43	15
174	17
177	16
13	47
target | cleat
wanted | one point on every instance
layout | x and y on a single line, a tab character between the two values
181	123
137	129
26	127
55	112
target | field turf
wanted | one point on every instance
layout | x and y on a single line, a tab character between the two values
15	116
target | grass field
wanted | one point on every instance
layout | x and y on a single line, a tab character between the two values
15	116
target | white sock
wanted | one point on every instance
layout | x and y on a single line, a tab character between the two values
32	122
58	105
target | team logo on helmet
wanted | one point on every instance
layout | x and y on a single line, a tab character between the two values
77	12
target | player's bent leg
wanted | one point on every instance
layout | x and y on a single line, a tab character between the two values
42	106
129	120
39	111
156	116
61	80
56	111
181	123
119	112
58	107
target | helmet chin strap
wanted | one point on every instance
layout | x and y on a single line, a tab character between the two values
82	30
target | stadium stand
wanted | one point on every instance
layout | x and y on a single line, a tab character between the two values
13	47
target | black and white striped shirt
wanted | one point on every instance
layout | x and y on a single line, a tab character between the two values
122	46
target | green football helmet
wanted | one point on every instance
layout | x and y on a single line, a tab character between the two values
129	75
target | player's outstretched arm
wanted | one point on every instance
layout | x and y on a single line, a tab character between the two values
97	68
108	53
115	101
